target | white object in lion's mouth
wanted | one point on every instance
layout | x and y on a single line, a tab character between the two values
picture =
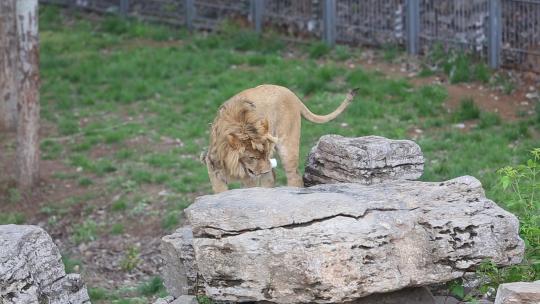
273	162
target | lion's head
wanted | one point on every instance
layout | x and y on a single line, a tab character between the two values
240	144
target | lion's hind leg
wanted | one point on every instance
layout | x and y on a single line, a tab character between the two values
289	158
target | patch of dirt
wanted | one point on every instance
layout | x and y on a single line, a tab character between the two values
510	107
62	205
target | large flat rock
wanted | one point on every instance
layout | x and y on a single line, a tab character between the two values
365	160
336	243
31	269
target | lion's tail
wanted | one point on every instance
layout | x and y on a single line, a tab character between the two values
326	118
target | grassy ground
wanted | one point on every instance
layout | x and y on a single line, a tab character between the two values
126	108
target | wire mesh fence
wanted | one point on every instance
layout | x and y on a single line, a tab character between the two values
466	25
167	11
461	24
521	34
210	14
370	22
296	18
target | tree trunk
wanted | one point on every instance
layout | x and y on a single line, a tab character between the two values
8	65
28	103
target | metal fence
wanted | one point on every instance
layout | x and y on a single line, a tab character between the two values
504	32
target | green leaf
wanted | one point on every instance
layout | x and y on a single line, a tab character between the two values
505	181
458	291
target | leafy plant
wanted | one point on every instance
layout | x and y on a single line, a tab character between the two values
131	259
523	184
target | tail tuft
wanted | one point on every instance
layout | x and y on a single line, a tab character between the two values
202	157
353	92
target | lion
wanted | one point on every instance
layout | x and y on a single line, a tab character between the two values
249	127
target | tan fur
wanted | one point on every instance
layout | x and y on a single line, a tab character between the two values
247	128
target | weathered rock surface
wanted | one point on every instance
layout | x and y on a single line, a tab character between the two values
180	270
519	292
339	242
185	299
31	269
416	295
365	160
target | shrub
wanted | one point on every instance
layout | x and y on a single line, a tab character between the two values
523	185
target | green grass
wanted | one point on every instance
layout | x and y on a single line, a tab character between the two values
457	65
467	110
114	92
12	218
85	232
152	287
71	265
90	69
117	228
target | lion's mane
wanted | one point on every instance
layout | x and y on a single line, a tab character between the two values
236	129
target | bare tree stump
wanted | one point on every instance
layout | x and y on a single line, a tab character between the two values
28	104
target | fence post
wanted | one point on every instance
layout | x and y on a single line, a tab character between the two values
329	22
413	26
257	7
495	34
190	13
124	7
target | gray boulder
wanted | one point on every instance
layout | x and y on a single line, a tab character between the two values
185	299
365	160
31	269
518	293
340	242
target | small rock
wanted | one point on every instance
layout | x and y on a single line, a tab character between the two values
185	299
459	126
364	160
165	300
164	193
518	293
531	95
